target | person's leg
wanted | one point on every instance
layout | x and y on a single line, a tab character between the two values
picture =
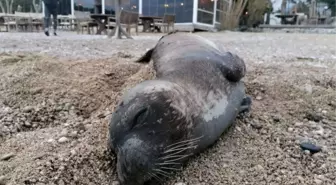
46	20
54	13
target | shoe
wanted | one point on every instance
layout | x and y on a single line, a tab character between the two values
46	33
55	34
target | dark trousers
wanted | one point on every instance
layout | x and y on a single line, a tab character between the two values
48	11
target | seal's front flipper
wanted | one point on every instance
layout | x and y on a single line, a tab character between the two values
232	66
245	106
146	57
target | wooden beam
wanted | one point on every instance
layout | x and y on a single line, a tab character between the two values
118	30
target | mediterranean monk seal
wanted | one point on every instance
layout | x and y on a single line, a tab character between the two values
161	123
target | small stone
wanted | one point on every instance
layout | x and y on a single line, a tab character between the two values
27	124
308	88
314	117
290	129
63	140
51	140
6	157
67	107
306	152
28	109
320	132
258	98
64	132
73	134
180	183
298	124
310	147
318	181
73	152
3	180
238	128
324	112
115	183
259	167
256	125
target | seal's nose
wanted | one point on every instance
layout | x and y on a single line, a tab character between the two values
133	161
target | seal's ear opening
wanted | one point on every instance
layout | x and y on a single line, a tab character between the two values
146	57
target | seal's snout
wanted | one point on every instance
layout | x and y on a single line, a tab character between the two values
133	162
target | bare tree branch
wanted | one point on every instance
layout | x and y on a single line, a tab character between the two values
2	7
11	7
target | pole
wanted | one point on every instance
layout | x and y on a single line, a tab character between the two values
103	6
72	8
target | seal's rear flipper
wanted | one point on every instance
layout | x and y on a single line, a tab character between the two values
146	57
245	106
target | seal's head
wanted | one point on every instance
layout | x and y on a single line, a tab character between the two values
146	131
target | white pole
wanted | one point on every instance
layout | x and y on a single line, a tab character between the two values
195	11
140	7
103	6
43	8
72	8
215	11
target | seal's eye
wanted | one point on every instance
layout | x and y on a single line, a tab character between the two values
140	117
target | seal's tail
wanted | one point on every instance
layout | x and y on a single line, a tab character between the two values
146	57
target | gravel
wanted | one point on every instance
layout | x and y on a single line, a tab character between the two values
57	95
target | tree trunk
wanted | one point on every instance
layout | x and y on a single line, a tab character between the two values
2	7
7	6
11	6
233	15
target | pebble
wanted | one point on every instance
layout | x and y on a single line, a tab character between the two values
7	156
63	140
258	98
180	183
290	129
324	112
298	124
28	109
115	183
318	181
64	132
310	147
27	124
2	180
256	125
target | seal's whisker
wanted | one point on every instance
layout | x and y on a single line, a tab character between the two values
180	149
164	163
182	146
169	168
185	141
172	156
173	160
161	172
157	177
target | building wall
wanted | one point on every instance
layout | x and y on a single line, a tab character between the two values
183	9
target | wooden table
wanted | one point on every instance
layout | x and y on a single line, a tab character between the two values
284	18
101	20
147	21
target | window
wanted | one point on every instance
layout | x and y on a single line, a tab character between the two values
205	13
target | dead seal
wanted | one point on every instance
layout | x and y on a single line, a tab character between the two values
159	124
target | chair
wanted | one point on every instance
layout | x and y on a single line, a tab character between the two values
128	19
165	22
8	21
83	20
